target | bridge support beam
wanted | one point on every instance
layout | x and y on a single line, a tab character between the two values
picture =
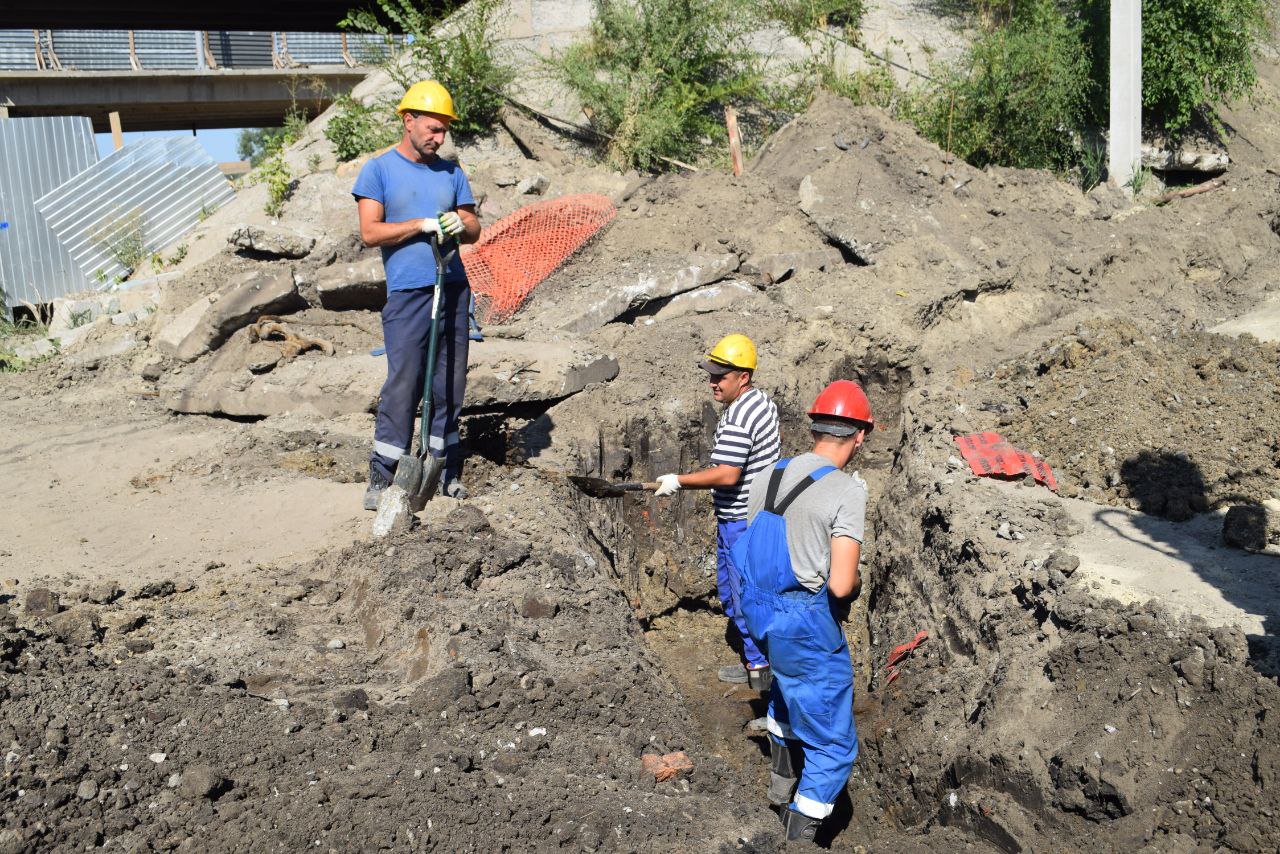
177	100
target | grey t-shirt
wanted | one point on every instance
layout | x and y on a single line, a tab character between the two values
835	506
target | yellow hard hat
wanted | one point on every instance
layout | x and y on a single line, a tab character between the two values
427	96
732	351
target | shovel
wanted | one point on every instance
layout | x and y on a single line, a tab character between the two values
598	487
418	475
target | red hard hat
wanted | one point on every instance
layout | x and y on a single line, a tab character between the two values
843	399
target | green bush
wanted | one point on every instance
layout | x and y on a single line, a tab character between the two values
356	128
1019	95
274	172
1196	55
655	75
453	43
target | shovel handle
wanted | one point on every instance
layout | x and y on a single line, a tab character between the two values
636	486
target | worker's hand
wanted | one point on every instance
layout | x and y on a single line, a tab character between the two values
432	226
668	484
451	224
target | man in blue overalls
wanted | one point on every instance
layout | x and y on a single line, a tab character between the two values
798	556
405	195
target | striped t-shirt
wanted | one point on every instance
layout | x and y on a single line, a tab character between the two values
747	438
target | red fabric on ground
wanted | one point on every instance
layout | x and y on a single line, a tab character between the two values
990	454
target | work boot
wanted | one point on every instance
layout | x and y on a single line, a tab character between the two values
760	724
783	773
759	678
377	483
799	827
733	673
454	489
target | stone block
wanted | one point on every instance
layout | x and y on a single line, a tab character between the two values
273	240
359	285
41	602
69	313
632	284
503	371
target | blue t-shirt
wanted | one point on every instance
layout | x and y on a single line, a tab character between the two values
408	190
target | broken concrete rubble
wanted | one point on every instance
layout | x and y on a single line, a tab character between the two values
210	320
271	240
629	285
781	266
359	285
504	371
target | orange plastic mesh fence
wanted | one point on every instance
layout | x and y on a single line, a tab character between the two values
519	251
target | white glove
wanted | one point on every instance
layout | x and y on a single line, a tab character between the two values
668	484
432	226
451	224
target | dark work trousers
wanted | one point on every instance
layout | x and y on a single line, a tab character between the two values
406	331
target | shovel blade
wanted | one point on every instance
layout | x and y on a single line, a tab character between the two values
409	474
598	487
428	483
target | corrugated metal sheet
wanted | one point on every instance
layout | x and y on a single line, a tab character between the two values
37	155
241	49
18	50
326	48
163	49
92	50
161	186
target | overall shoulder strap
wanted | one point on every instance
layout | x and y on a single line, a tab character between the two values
805	483
775	481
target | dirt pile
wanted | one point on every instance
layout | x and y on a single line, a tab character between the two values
1172	423
467	690
1041	707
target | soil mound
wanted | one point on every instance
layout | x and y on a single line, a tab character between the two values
1172	423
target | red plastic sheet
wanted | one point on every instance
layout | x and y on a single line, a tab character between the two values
989	454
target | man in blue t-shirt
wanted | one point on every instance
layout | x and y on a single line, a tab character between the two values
404	196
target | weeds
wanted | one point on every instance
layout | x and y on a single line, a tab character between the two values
1017	97
1139	180
655	75
462	53
123	236
1093	164
275	174
356	128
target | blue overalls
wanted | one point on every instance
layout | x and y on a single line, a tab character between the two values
811	702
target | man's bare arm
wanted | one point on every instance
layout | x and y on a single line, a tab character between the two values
471	223
719	475
845	578
374	231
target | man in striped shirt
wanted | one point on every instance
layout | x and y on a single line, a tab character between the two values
747	443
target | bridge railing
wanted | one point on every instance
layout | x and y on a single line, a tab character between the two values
178	50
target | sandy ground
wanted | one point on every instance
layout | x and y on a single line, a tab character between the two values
111	496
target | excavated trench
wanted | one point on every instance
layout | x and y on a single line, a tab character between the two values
1038	710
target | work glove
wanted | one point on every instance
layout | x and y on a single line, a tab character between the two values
668	484
451	224
432	226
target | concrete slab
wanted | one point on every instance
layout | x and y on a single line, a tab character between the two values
627	285
1183	564
500	372
1262	323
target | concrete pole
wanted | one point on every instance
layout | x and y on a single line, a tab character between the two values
1125	141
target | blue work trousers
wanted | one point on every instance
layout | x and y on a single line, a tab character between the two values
729	586
406	330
